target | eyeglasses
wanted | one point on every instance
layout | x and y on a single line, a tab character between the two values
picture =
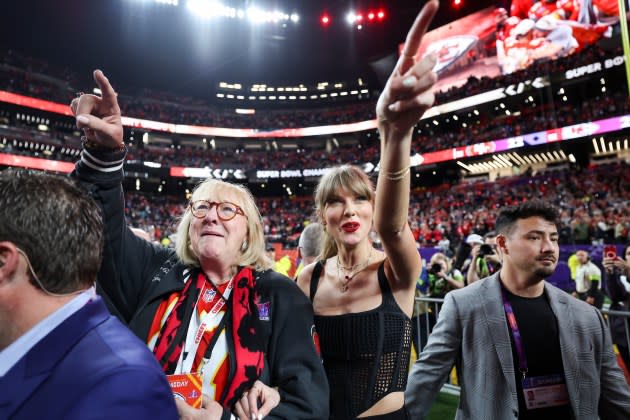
225	210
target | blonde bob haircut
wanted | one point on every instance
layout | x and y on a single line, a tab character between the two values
253	250
345	177
440	256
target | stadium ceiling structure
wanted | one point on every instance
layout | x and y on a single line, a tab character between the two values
190	46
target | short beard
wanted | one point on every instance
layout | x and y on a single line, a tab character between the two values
545	272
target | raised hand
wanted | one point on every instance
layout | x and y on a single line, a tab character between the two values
408	92
99	116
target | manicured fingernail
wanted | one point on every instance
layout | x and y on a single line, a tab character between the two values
409	81
253	416
83	119
393	107
260	417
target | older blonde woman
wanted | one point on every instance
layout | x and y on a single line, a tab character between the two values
212	307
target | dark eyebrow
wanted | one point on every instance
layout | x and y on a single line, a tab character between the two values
540	232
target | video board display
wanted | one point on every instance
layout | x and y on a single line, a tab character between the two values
497	41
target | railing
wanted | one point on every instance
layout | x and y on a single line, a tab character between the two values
625	316
429	309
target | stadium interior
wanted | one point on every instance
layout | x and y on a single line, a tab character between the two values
271	94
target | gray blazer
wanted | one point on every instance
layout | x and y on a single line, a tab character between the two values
472	332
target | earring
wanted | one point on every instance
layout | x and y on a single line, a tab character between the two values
244	246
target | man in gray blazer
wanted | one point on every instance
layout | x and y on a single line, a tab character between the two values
554	357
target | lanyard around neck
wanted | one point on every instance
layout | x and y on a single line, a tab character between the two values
516	334
193	341
223	299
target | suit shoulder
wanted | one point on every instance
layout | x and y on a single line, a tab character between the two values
470	290
580	305
474	296
120	347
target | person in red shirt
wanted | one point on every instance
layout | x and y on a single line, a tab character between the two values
520	8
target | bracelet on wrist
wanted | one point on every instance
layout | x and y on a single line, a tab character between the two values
397	175
89	144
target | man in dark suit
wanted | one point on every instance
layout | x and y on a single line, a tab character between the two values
525	349
62	355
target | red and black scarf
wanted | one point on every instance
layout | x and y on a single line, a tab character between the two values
247	353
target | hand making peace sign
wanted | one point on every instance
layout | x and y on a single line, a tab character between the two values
408	92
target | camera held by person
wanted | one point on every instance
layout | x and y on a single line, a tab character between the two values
435	268
484	259
485	250
442	276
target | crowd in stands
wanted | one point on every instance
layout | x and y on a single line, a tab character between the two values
213	116
440	213
271	158
594	204
35	78
530	119
32	77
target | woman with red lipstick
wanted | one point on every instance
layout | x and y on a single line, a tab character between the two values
363	298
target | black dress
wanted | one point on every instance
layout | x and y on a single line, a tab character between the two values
366	354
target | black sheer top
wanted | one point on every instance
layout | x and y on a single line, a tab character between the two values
366	354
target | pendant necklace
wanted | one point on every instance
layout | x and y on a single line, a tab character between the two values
350	272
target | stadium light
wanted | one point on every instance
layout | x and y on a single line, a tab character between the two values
351	17
361	17
257	15
208	9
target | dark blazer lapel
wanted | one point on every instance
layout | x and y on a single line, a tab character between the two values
16	386
566	330
490	295
26	376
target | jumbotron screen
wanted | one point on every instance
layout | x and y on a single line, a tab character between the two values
496	41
